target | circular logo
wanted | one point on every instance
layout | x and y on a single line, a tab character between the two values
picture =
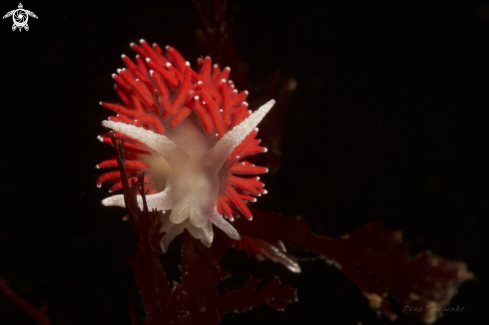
20	18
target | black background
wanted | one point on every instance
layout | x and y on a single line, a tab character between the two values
388	123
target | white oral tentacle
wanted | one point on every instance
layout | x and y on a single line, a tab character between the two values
172	232
225	226
161	201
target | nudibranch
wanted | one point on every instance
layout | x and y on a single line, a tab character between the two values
190	132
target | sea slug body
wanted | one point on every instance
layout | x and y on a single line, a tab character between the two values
190	132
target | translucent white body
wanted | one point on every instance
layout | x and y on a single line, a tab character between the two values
192	185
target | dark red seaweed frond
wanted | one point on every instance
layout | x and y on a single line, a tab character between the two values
195	299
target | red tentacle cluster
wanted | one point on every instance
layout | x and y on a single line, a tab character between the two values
158	92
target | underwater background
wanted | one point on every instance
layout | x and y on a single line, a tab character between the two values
388	122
